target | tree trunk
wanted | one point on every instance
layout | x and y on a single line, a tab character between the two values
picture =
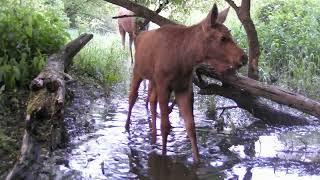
243	13
239	88
44	116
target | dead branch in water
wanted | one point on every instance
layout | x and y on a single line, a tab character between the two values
228	107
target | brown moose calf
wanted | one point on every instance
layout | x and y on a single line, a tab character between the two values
167	57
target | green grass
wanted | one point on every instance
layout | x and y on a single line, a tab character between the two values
103	58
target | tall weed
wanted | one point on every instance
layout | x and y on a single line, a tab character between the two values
104	59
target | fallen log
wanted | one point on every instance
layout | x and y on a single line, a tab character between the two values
241	89
44	117
246	93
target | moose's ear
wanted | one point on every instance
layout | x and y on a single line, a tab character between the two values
211	20
223	15
213	15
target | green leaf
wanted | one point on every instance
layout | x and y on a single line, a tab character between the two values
16	73
29	27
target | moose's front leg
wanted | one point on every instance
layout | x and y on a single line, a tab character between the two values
185	104
163	98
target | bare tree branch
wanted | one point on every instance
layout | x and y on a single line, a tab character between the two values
142	11
232	4
161	6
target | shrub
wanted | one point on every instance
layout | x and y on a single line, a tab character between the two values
289	37
27	36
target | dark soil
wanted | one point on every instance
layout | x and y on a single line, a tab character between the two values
12	110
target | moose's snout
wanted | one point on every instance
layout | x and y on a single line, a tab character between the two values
244	59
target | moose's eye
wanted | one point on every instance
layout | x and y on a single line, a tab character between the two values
224	39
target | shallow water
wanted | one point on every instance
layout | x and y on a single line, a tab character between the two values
231	147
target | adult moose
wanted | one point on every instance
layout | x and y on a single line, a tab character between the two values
167	57
130	25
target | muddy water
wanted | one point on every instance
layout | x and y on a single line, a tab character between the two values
233	145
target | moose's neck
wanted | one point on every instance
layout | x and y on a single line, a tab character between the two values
193	44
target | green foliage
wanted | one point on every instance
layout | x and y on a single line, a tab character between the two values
93	15
189	12
27	35
104	59
289	36
182	11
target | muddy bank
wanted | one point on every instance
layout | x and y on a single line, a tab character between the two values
12	110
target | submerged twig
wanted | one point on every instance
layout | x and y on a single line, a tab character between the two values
225	108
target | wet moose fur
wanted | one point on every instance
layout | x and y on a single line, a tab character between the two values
167	57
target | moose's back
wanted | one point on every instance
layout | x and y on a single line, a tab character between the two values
127	23
162	49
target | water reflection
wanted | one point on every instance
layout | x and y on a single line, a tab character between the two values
300	144
269	173
106	151
165	168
